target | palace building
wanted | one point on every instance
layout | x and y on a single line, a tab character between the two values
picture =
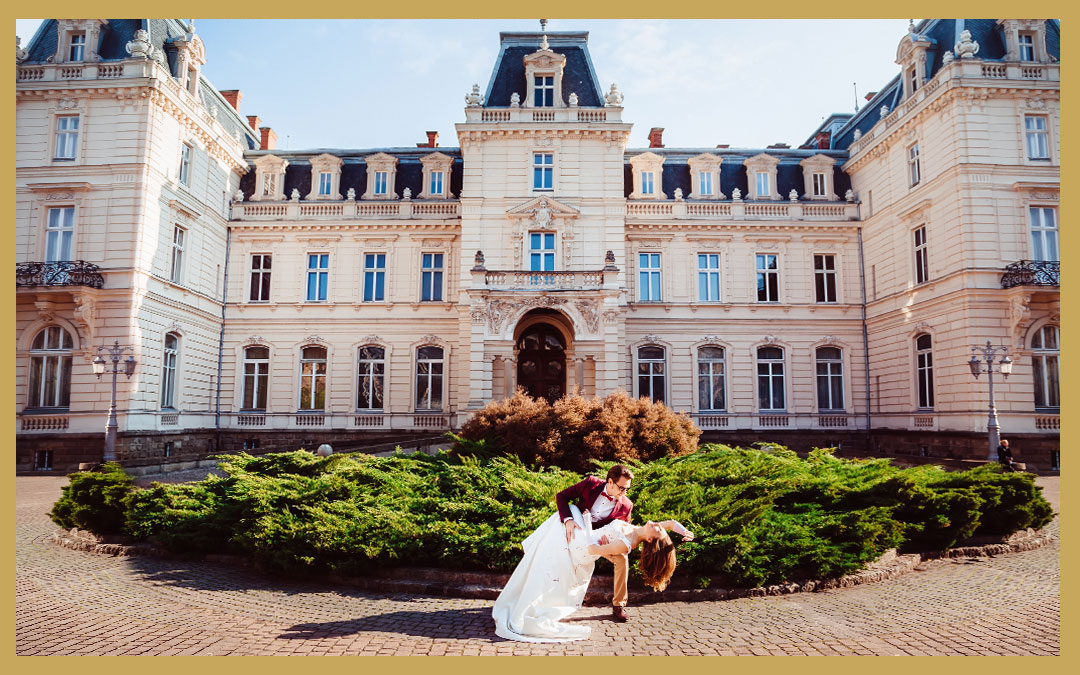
821	295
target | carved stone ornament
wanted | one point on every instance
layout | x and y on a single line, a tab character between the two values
849	196
351	195
295	195
829	339
239	196
1035	103
772	340
609	262
1020	317
175	327
66	103
85	313
857	135
947	58
590	312
20	53
256	338
712	339
431	339
651	339
515	100
966	48
46	310
406	194
736	195
678	194
611	317
499	311
478	261
542	215
614	97
372	338
315	338
793	196
474	99
883	112
140	46
573	101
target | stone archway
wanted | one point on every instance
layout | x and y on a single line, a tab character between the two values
541	361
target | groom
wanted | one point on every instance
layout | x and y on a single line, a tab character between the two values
605	501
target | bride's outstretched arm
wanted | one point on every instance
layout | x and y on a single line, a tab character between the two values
617	547
677	527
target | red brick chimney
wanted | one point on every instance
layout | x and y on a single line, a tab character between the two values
267	138
870	95
432	140
233	96
656	137
823	139
253	122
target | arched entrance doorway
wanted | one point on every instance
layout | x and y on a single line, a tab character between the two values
541	354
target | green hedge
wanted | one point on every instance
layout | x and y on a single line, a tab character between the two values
760	515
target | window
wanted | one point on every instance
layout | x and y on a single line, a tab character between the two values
256	378
543	165
176	270
168	370
705	182
1045	355
708	277
260	278
710	365
269	184
1037	137
648	183
168	448
1044	233
185	164
192	81
912	80
825	278
1027	47
77	48
325	182
370	374
429	378
820	186
380	183
830	379
431	277
313	378
541	251
67	136
43	460
914	172
924	371
318	276
770	368
374	277
1055	460
761	181
768	278
436	184
649	277
651	373
59	230
543	91
49	384
922	263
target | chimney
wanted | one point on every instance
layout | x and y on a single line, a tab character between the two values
823	139
233	96
656	137
253	122
267	139
723	145
870	95
432	140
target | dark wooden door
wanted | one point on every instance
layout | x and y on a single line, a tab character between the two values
541	367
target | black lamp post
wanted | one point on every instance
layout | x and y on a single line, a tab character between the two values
114	352
1004	366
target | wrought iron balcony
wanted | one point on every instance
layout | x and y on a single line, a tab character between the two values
60	273
1032	273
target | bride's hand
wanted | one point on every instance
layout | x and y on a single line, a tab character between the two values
604	541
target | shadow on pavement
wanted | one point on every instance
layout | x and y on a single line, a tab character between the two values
459	624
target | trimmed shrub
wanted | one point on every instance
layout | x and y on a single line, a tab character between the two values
573	431
94	500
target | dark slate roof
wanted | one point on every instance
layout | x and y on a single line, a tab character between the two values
676	170
508	76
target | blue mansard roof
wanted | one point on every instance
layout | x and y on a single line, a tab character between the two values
579	76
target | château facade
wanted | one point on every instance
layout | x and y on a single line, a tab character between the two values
828	294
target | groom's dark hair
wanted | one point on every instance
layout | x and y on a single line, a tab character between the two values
619	471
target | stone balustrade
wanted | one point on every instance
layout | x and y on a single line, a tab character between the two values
531	115
315	210
740	210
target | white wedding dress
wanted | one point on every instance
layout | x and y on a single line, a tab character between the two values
549	583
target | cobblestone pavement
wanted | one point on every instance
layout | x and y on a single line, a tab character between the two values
70	602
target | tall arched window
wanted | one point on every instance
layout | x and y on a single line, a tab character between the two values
371	371
256	378
830	378
429	378
313	378
50	369
770	368
651	372
924	370
168	370
710	365
1045	355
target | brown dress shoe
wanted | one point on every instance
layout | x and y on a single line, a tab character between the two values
619	615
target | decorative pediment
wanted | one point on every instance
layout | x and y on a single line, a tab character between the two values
543	210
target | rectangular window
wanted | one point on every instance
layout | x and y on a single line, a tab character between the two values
67	137
541	251
168	371
192	81
43	460
429	378
60	230
648	183
256	377
374	277
543	166
708	277
770	370
176	270
922	264
825	278
371	371
924	371
1027	47
431	278
1037	137
185	164
318	276
830	379
914	170
711	378
324	183
768	277
761	180
651	375
436	183
380	182
1044	233
705	182
269	184
913	80
819	184
77	49
649	277
543	91
260	278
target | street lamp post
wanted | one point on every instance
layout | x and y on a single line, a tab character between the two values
1004	366
114	352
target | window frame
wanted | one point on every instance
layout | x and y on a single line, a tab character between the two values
711	377
177	257
924	372
320	272
648	183
432	277
430	376
543	91
650	276
547	255
921	253
259	379
543	171
652	375
264	276
1041	232
705	183
326	183
762	191
436	185
1029	45
169	367
373	278
819	184
315	377
1046	381
825	279
772	377
1037	134
763	274
62	138
370	377
381	183
834	379
914	163
61	231
710	275
187	154
72	45
63	358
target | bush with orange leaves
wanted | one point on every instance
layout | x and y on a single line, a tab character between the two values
574	429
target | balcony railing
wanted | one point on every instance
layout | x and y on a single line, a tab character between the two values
347	210
1032	273
520	279
519	114
652	210
61	273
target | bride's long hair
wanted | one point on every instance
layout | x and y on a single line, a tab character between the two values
657	562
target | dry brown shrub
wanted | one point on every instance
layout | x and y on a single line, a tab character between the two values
575	429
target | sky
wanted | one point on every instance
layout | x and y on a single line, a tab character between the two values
383	83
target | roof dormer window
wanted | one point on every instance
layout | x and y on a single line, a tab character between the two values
269	178
761	176
818	178
543	76
1025	39
647	169
543	91
1027	46
381	173
705	176
436	176
77	39
77	47
325	177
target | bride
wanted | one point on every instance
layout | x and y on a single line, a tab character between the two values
549	583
